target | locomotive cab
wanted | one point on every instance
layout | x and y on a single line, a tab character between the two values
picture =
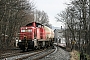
30	34
26	35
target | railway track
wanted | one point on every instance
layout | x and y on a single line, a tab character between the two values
13	56
37	55
33	55
29	54
10	54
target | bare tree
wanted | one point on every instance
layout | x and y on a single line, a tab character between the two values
13	15
42	17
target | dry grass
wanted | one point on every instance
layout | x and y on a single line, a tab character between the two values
75	55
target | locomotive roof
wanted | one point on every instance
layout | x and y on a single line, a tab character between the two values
30	24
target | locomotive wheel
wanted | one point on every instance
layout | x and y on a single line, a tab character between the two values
23	49
35	47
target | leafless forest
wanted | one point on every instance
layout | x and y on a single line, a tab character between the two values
77	24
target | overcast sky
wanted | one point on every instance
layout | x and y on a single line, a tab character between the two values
52	7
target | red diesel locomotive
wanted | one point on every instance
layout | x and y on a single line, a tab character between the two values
35	36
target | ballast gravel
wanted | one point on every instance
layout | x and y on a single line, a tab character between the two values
60	54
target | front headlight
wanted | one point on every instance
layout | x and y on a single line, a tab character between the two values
20	40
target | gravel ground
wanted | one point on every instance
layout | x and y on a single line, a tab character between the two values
60	54
13	50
